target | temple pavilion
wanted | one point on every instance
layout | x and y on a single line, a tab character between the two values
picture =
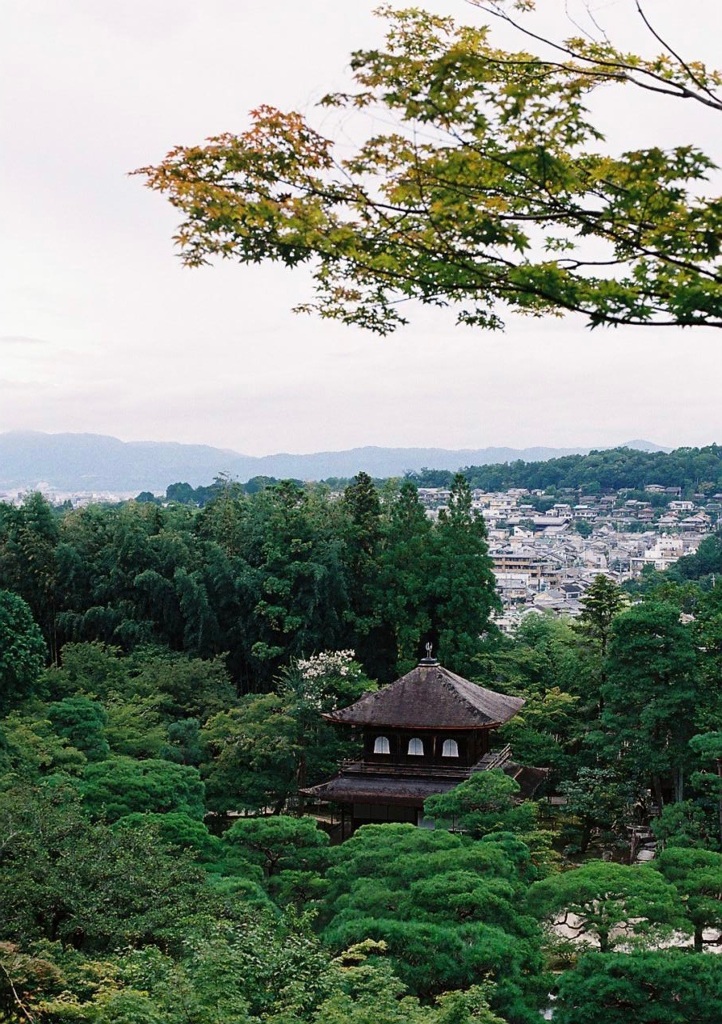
423	734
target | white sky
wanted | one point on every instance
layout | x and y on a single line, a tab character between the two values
102	330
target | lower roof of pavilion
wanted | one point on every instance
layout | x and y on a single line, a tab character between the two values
361	782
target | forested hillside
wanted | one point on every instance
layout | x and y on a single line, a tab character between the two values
692	469
613	469
164	673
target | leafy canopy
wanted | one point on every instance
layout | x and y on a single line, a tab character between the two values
666	986
493	187
22	650
608	903
447	908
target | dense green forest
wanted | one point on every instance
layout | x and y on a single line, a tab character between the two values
163	669
692	469
259	578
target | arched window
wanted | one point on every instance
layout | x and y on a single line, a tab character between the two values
450	749
416	746
381	745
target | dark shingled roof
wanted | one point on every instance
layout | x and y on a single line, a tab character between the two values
363	788
529	779
358	783
430	697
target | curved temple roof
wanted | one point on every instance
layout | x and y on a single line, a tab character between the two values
430	697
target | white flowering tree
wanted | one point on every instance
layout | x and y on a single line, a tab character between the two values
326	681
313	687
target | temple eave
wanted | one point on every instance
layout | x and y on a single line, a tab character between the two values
369	789
357	785
427	726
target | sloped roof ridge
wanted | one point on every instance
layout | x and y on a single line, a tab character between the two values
471	691
455	685
474	703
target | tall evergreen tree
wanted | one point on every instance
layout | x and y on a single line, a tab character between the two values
600	604
650	696
373	638
29	538
22	650
462	593
404	579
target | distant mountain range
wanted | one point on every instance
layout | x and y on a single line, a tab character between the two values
95	462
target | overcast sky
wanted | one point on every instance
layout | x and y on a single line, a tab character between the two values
103	331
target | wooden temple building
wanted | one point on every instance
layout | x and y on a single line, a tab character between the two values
423	734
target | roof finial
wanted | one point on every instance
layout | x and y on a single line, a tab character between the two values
429	659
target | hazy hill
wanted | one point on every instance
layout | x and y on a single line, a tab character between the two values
94	462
